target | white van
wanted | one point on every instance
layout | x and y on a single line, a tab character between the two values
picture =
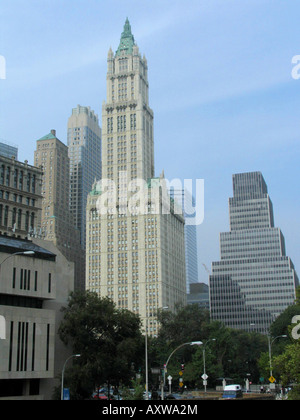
232	392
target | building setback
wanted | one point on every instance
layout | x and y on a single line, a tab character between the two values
254	281
134	254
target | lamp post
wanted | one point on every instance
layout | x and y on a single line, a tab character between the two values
191	343
204	366
146	356
270	350
18	253
2	319
63	374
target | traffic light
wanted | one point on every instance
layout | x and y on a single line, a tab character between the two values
182	367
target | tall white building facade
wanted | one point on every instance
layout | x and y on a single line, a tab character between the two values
254	281
134	253
84	147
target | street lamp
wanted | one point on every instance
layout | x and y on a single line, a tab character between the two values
204	367
2	319
18	253
191	343
270	350
63	374
146	355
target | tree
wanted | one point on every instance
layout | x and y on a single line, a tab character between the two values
288	364
233	354
107	338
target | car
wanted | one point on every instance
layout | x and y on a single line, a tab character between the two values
232	392
99	396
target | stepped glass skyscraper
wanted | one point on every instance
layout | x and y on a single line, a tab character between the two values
255	281
134	253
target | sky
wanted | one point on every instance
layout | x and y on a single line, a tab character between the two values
220	87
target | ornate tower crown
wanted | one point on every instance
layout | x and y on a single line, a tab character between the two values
127	40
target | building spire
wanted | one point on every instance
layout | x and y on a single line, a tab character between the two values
127	40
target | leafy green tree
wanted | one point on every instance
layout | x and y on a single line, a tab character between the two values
233	354
288	364
108	339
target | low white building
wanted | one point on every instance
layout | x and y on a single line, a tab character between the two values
35	282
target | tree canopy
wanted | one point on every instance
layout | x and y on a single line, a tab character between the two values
112	347
109	340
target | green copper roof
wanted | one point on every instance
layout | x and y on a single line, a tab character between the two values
48	137
127	40
96	188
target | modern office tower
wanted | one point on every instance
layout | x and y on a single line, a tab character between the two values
20	198
187	203
57	221
8	150
254	281
84	142
134	253
199	295
36	280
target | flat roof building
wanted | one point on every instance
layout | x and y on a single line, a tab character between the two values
20	198
36	280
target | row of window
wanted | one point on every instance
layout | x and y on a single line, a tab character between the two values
20	180
16	218
121	123
22	343
27	280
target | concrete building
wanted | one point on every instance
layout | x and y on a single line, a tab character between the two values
84	142
57	221
33	289
135	254
20	198
254	281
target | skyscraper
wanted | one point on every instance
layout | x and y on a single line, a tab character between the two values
8	150
254	281
134	253
57	220
84	141
187	203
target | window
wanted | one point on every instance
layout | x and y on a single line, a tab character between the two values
6	216
49	283
47	346
35	280
14	278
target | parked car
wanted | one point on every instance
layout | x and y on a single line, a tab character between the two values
99	396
